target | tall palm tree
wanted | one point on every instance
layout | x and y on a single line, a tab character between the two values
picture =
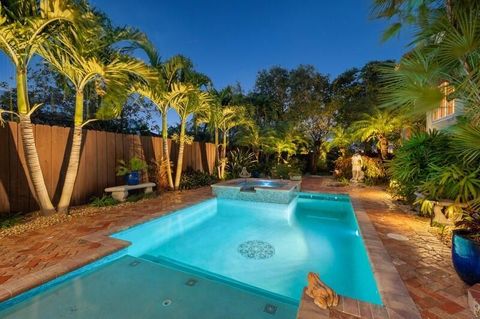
212	117
157	91
186	100
251	137
378	126
230	117
83	60
24	26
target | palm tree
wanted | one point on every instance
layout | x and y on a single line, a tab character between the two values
24	27
157	92
379	126
83	61
213	116
341	138
230	117
251	137
186	100
283	140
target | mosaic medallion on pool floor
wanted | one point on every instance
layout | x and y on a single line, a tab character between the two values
256	249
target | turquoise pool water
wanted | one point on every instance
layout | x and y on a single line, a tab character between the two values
269	247
218	259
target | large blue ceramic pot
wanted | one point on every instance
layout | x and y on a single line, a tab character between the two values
466	257
133	178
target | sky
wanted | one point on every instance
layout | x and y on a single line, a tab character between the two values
231	40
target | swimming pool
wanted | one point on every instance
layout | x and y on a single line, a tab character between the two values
248	258
265	246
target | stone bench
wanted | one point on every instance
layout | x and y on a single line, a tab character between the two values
120	193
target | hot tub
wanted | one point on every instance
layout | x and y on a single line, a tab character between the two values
260	190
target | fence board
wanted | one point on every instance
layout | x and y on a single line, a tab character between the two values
111	164
4	169
99	157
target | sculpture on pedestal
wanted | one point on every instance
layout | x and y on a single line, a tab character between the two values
357	173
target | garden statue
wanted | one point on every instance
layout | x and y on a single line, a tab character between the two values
357	172
244	173
322	295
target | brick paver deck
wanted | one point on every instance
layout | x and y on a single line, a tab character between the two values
423	262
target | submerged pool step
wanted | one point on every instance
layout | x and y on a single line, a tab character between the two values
179	266
138	288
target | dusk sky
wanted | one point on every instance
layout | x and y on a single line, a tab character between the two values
231	41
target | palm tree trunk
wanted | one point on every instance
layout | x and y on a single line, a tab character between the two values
217	152
29	147
181	145
74	159
383	147
166	153
224	155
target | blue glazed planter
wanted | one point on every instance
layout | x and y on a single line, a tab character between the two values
466	257
133	178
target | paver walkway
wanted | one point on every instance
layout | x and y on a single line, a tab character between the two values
424	263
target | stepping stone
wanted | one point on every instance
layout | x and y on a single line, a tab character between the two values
474	300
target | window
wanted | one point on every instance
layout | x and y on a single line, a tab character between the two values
447	107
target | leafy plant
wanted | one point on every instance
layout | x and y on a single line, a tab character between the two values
374	170
192	179
10	220
238	159
135	164
139	196
414	159
285	170
103	201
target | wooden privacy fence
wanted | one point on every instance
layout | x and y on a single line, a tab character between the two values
101	152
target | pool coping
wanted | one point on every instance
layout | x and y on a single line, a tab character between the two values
287	186
397	302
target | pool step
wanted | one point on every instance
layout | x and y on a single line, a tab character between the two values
138	288
174	264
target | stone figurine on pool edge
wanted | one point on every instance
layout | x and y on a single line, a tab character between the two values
322	295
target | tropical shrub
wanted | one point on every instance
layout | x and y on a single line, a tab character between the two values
374	169
285	170
414	159
135	164
343	168
103	201
192	179
237	159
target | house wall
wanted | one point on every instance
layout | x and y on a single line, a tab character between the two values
445	122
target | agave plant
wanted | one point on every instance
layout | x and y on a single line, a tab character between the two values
24	27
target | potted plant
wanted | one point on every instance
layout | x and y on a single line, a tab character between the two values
466	247
453	191
295	174
131	170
